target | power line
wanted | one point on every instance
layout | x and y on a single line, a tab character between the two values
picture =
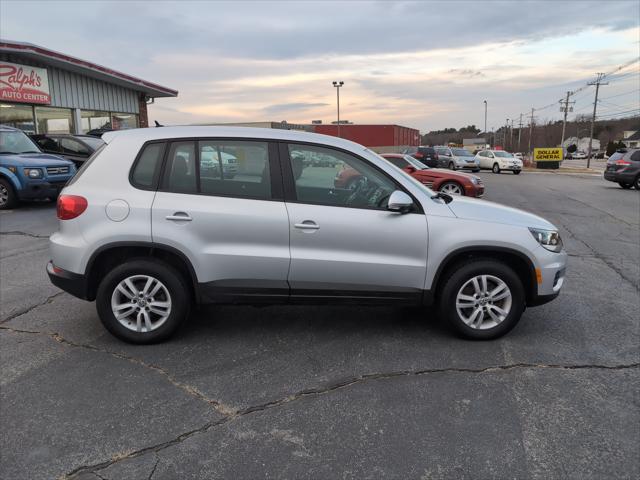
622	94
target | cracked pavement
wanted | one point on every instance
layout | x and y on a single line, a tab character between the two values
350	392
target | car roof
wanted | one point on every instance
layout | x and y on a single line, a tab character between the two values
160	133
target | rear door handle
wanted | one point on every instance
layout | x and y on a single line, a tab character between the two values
179	217
307	225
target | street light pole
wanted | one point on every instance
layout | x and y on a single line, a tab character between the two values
485	118
338	85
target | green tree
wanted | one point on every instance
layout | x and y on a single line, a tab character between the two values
611	148
572	148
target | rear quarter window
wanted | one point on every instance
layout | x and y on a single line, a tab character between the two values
635	156
146	169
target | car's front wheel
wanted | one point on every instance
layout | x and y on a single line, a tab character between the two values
8	198
482	299
496	168
451	166
143	301
516	172
453	188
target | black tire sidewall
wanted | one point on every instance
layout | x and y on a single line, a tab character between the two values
636	184
461	274
176	285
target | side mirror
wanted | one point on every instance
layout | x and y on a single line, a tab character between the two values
410	168
399	202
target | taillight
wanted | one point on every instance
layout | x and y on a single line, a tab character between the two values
622	162
71	206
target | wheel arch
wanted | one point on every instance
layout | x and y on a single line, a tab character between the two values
13	180
518	261
112	254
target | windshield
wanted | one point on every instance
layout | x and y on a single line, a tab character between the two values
415	162
502	154
94	142
461	152
14	141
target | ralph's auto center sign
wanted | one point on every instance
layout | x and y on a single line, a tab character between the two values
24	84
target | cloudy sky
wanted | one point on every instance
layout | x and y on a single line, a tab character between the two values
427	65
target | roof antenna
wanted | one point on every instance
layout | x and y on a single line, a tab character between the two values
158	124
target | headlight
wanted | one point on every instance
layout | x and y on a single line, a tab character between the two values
33	172
549	239
475	180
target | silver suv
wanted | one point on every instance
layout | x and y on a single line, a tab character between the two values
151	225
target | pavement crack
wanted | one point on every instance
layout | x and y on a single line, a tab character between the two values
224	410
155	465
25	234
24	311
602	258
331	388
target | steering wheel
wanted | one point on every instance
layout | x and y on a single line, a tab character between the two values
359	186
383	194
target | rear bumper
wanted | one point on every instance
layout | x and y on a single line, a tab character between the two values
617	176
70	282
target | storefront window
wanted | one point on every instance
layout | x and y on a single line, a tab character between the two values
95	119
17	116
124	121
54	120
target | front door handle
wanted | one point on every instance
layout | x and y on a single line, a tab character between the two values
179	217
307	225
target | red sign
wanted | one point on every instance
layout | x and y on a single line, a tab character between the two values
24	84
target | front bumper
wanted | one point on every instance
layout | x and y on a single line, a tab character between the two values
551	271
36	189
73	283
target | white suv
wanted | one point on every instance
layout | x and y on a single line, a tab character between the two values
498	160
146	230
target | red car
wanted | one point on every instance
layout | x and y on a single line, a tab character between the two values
441	180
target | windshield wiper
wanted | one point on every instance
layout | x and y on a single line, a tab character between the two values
11	153
444	196
29	151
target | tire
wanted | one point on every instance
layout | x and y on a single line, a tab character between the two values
451	188
451	166
475	171
496	168
517	172
174	290
459	280
636	184
8	197
625	185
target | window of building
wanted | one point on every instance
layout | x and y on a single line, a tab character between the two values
145	170
124	121
94	119
325	176
54	120
235	168
17	116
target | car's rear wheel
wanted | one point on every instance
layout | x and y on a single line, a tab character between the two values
625	185
451	166
482	299
452	188
636	184
476	170
143	301
8	197
496	168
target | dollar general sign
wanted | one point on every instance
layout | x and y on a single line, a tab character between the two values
547	154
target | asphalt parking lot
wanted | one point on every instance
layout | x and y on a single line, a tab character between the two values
335	392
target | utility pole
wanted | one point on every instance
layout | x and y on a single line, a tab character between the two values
511	135
519	132
597	83
338	85
530	131
565	108
506	129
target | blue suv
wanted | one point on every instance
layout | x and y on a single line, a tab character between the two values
25	172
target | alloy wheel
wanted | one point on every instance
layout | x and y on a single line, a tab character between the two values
4	195
451	188
141	303
483	302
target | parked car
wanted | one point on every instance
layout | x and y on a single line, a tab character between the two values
98	132
209	162
458	158
25	172
624	168
426	155
287	235
498	160
438	179
77	148
579	155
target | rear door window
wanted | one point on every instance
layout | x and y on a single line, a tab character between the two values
180	171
